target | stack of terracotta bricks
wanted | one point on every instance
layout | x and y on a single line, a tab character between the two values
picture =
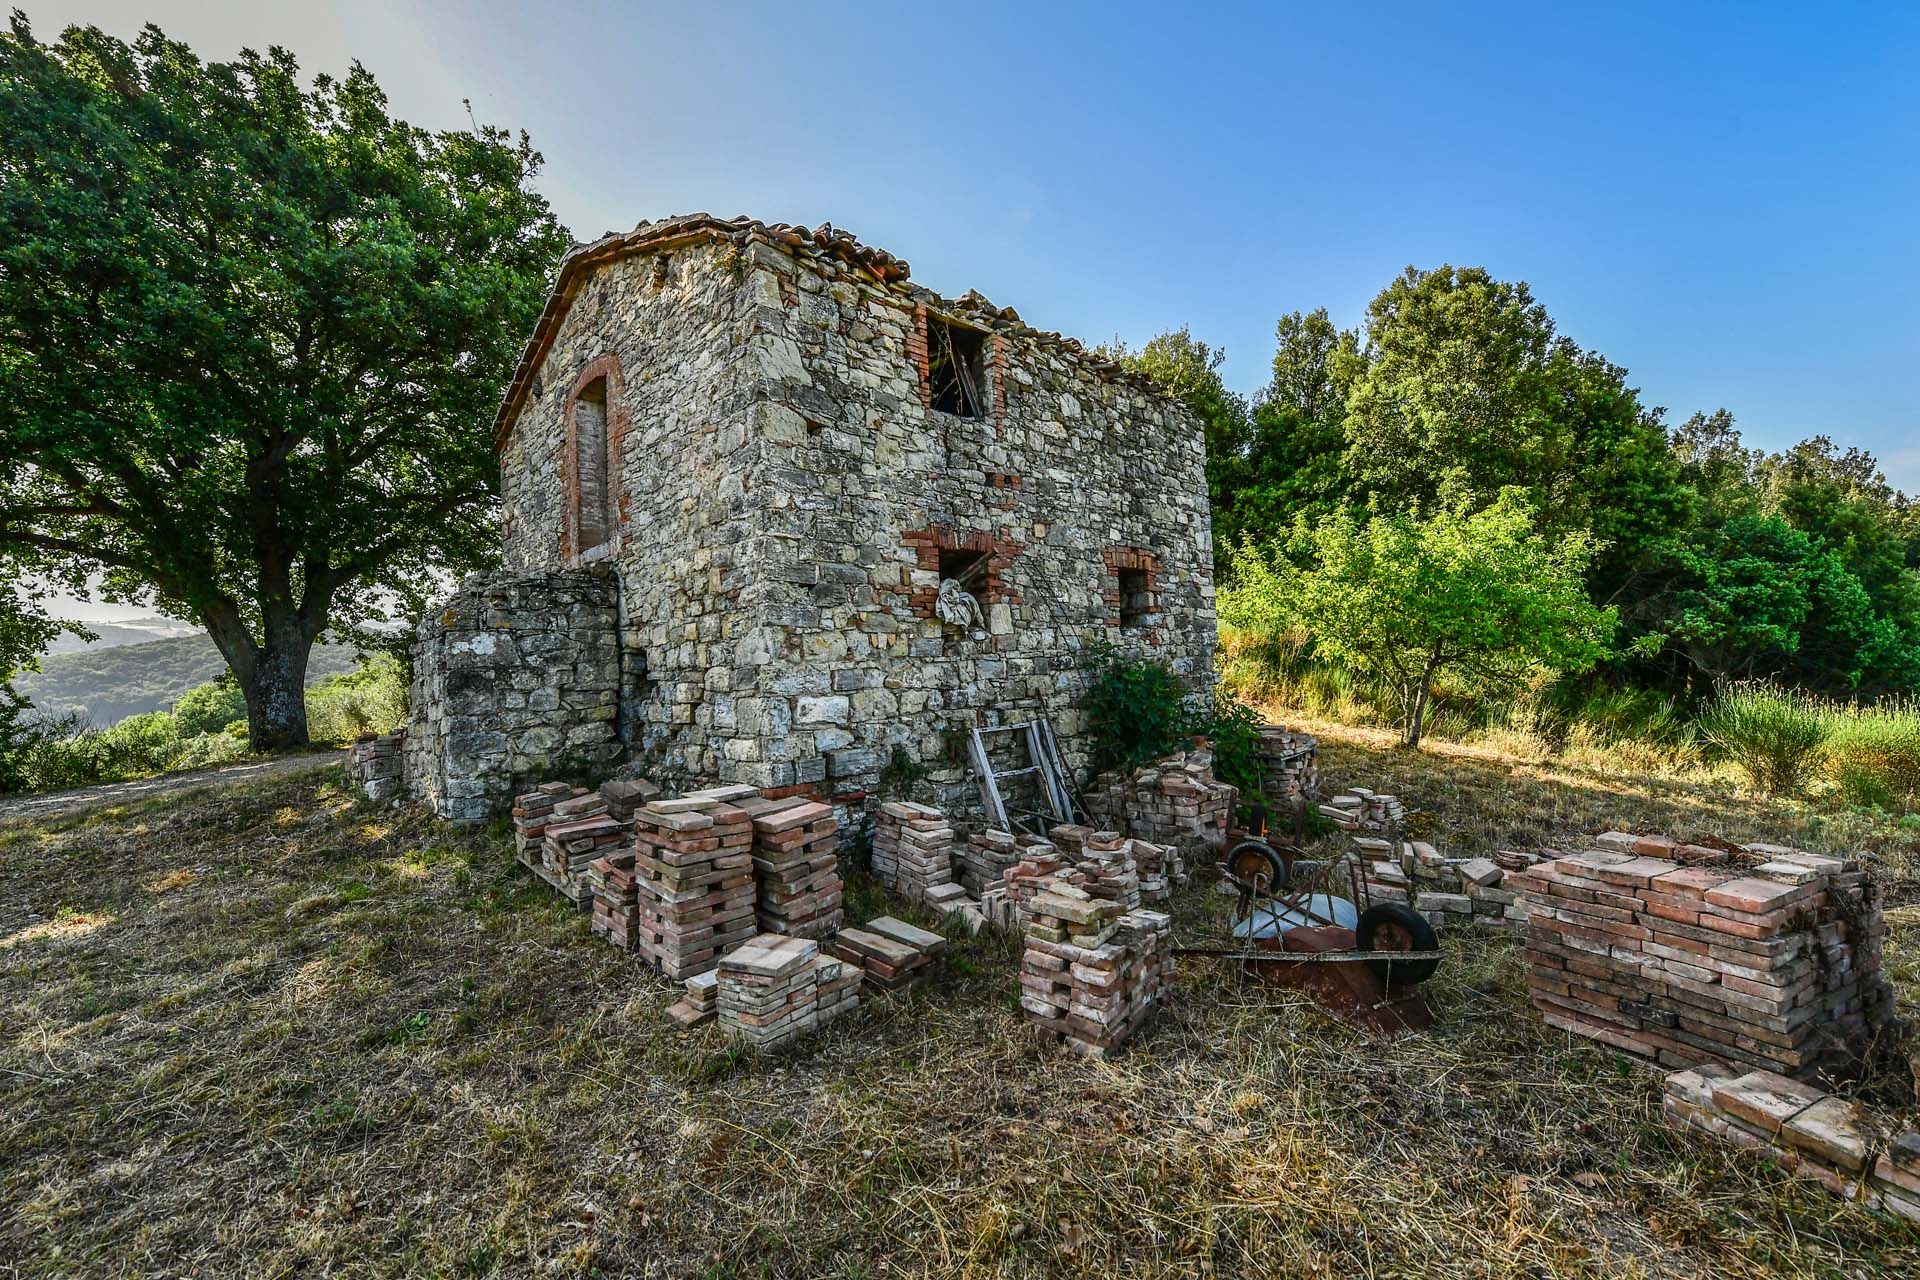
1161	868
796	866
1821	1137
701	1003
1091	974
1773	962
578	830
1449	892
1176	801
624	796
775	988
984	859
374	763
1289	765
891	954
913	851
1107	859
531	813
1362	810
693	868
616	907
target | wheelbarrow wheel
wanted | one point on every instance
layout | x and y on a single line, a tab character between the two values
1257	867
1390	926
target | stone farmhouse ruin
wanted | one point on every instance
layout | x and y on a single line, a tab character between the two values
774	515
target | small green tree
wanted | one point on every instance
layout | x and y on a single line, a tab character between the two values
1479	596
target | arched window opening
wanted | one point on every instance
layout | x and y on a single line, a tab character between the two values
592	490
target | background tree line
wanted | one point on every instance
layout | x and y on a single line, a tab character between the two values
1715	562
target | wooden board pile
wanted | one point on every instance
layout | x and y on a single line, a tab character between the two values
1813	1135
1774	965
578	830
374	764
890	953
1289	765
1091	974
1362	810
1449	892
796	866
913	851
693	869
1174	801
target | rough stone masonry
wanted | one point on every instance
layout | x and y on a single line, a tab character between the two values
838	518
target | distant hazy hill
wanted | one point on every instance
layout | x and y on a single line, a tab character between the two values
112	635
108	683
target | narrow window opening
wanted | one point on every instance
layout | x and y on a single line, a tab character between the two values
590	465
956	368
968	568
1136	600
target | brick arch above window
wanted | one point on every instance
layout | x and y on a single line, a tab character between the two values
595	510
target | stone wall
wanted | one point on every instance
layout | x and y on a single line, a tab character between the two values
515	679
1071	477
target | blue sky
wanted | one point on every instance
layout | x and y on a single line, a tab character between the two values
1724	199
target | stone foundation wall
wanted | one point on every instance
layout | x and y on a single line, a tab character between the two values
516	678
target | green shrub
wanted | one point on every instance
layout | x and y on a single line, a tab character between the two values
1775	735
210	707
1136	708
1873	754
372	698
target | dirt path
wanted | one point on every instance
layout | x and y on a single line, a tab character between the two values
53	803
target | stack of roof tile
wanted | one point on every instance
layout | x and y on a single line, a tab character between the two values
579	830
1449	892
1775	966
693	869
891	953
624	796
984	859
796	866
768	989
1821	1137
913	850
1090	975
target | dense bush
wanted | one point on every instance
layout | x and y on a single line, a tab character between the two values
1775	735
1873	754
1139	712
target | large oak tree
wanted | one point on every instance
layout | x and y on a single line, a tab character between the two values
251	333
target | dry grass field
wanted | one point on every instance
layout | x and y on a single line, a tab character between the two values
272	1032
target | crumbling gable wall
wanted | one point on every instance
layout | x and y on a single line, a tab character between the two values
667	332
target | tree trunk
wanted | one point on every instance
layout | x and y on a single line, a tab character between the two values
273	675
1419	713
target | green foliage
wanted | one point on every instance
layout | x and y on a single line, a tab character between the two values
1234	729
210	708
372	698
1136	708
106	685
1873	753
1775	735
1478	596
255	331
